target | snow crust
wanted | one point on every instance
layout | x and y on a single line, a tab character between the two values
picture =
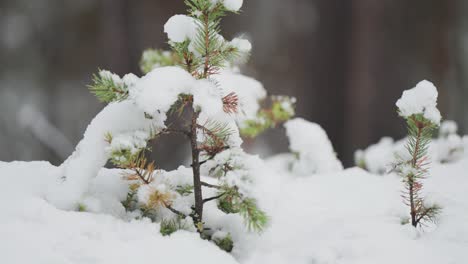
315	151
421	99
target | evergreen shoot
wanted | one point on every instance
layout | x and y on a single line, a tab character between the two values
422	119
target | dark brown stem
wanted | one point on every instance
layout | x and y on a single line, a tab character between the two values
414	161
146	181
213	198
177	212
188	63
414	221
207	50
197	185
210	185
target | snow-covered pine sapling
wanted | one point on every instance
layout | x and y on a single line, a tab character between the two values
419	108
196	84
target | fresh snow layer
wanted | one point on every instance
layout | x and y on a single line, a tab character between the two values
312	146
157	91
180	28
231	5
207	97
350	216
34	231
91	154
422	99
243	45
248	90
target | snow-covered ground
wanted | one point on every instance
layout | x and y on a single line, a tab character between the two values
350	216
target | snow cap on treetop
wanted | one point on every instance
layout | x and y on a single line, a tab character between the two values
180	28
421	99
231	5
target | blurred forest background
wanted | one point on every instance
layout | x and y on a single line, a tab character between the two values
347	62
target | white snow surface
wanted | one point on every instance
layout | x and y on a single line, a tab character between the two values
231	5
180	28
243	45
91	154
315	151
421	99
157	91
207	97
34	231
248	90
350	216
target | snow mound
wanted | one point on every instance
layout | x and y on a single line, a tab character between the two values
315	151
421	99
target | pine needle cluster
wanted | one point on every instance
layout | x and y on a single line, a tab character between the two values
106	89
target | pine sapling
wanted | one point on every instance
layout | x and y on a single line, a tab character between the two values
198	53
418	107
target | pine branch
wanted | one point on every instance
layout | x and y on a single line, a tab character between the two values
179	213
210	185
106	89
213	198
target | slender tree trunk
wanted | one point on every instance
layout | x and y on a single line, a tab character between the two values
413	210
197	186
414	162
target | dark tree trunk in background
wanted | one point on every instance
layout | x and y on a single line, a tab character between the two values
459	89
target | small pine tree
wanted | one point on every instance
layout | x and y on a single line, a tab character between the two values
199	49
422	119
